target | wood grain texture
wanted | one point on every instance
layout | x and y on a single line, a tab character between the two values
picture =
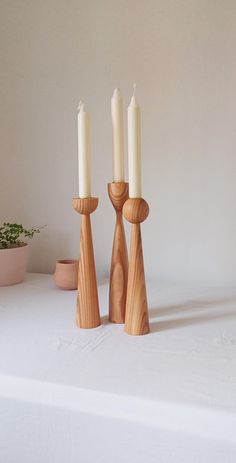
118	193
85	205
136	210
136	316
87	298
118	273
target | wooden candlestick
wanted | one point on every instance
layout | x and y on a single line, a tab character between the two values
118	194
136	211
87	300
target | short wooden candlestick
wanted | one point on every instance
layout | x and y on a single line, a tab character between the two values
136	211
87	300
118	194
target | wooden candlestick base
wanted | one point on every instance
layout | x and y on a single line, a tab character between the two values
87	300
118	194
136	211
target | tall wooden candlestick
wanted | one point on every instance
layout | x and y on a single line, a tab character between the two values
118	193
87	300
136	211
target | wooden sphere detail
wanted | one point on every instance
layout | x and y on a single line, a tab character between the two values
85	206
118	194
136	210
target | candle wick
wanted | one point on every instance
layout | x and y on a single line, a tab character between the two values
134	89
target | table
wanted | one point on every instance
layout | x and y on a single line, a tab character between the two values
70	395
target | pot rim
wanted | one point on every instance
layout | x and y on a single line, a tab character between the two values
15	248
67	261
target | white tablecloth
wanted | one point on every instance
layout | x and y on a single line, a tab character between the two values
70	395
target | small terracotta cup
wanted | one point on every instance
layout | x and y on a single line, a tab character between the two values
66	274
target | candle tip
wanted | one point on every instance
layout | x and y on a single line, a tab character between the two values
134	88
80	106
117	92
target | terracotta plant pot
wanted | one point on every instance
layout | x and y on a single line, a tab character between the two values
66	274
13	265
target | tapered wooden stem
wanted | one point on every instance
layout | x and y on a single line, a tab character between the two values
136	317
118	193
87	315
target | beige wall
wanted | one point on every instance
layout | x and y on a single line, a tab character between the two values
181	54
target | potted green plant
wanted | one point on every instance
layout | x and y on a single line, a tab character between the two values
13	252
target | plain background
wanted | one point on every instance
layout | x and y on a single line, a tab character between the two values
181	54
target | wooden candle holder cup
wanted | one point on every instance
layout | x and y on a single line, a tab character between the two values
118	194
136	211
87	315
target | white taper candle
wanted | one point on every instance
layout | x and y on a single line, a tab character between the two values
84	152
117	136
134	148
